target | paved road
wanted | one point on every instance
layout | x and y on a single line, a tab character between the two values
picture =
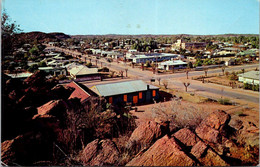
230	94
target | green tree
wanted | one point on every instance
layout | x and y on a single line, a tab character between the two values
34	50
42	64
33	68
8	27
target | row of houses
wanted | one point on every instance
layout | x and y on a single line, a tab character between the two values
134	92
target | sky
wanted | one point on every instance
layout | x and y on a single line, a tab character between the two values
99	17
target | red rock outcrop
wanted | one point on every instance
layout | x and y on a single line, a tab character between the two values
53	107
204	153
25	149
164	152
211	128
207	156
187	137
99	152
146	134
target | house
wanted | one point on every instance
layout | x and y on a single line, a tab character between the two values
84	73
135	91
20	76
54	70
80	91
251	77
169	65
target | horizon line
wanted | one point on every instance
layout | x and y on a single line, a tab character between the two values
145	34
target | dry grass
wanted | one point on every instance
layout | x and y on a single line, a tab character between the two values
179	115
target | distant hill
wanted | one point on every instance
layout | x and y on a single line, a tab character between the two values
156	36
40	36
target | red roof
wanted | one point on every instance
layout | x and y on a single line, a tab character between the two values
79	92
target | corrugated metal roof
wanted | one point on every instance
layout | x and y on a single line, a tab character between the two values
121	88
83	70
251	75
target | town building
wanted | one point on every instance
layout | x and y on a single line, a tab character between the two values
251	77
54	70
172	64
82	72
180	44
154	57
20	76
136	91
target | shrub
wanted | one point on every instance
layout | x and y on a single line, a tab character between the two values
62	77
104	69
255	88
226	73
89	64
233	76
224	101
33	68
179	115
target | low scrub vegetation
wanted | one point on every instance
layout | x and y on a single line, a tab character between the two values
179	115
224	101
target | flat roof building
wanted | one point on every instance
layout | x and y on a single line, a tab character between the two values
142	58
169	65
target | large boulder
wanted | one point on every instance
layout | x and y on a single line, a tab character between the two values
206	155
146	134
191	144
213	127
187	137
99	152
164	152
53	107
28	148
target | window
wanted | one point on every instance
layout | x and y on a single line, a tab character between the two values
110	100
125	98
140	95
154	93
135	99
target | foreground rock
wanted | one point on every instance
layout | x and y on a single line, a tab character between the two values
164	152
27	148
53	107
99	152
213	127
187	137
146	134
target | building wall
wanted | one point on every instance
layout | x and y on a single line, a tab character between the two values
147	96
248	80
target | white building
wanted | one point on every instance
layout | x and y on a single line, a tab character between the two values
251	77
169	65
155	57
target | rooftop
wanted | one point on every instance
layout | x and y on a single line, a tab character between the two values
251	75
117	88
79	91
83	70
20	75
152	55
173	62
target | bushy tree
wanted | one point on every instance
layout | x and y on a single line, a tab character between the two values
33	68
8	27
